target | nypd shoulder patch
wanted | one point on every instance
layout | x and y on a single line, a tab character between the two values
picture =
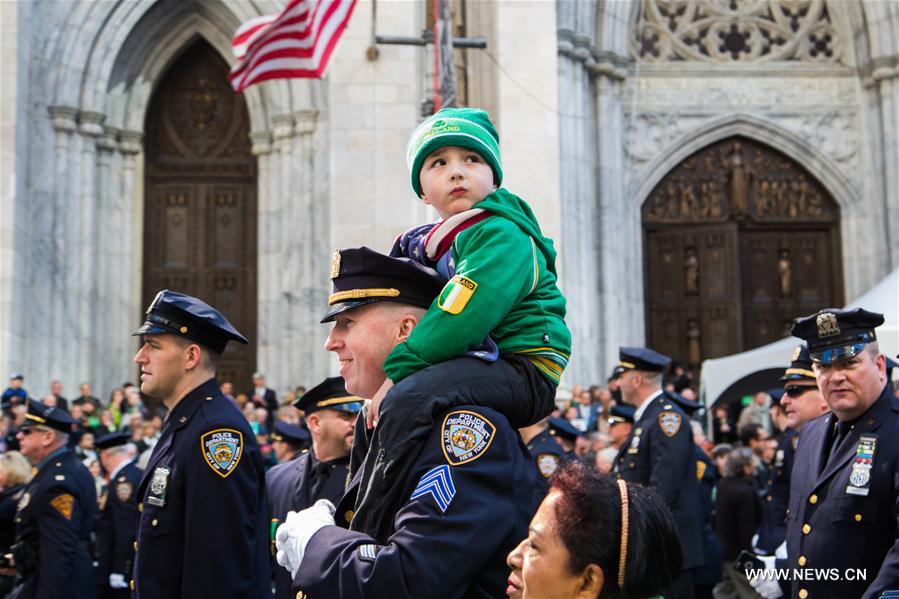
547	464
438	483
670	423
222	449
466	435
123	490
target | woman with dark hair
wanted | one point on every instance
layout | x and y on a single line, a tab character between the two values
594	537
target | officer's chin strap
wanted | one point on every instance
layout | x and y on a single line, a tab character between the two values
622	558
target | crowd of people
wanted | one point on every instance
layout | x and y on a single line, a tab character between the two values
445	460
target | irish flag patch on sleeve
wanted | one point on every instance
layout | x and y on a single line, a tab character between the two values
455	294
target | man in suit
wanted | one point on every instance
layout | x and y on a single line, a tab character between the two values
320	473
203	528
56	514
264	397
117	529
845	482
659	452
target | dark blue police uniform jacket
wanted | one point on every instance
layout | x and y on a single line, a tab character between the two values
659	454
203	528
117	528
773	529
56	516
844	515
289	489
470	501
547	456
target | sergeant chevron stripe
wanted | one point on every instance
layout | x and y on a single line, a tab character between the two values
438	483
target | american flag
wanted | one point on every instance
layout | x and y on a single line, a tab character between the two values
296	43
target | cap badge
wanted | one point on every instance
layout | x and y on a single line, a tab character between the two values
796	353
335	264
827	325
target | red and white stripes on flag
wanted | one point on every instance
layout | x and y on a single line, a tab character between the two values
296	43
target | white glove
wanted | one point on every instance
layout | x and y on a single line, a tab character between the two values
292	537
767	588
117	581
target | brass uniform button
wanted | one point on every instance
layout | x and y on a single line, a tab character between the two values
813	499
769	498
135	545
802	560
155	522
806	529
348	516
140	507
131	584
803	593
301	595
858	517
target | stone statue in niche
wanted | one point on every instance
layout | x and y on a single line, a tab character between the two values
785	273
691	272
739	176
694	348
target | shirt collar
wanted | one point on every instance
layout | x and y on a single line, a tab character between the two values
645	405
52	456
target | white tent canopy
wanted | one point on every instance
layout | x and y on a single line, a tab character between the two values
719	373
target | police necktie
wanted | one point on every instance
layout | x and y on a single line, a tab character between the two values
840	430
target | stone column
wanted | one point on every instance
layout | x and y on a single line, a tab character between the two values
622	272
886	75
109	277
129	308
87	353
311	287
578	185
50	335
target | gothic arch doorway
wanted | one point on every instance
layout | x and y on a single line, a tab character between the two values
200	210
739	239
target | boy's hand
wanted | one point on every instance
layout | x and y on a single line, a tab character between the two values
371	417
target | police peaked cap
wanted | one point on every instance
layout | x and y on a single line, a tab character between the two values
621	413
38	414
112	440
833	335
289	433
329	394
800	366
362	276
559	427
172	313
641	358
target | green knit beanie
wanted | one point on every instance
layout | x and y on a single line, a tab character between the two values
463	127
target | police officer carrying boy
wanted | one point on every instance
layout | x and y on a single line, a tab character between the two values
845	482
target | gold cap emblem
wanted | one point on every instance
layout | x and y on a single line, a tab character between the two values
796	353
335	264
827	325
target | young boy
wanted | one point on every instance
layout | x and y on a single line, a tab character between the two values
501	303
501	267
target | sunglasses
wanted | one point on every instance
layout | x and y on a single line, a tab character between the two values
797	390
33	429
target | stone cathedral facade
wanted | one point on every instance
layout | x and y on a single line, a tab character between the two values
708	168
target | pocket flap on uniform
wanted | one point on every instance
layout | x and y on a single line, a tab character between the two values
862	510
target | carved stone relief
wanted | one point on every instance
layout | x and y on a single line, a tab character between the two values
736	31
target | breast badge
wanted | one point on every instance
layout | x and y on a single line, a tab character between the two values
860	476
222	449
159	486
466	436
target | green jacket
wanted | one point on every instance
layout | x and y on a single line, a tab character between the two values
505	286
